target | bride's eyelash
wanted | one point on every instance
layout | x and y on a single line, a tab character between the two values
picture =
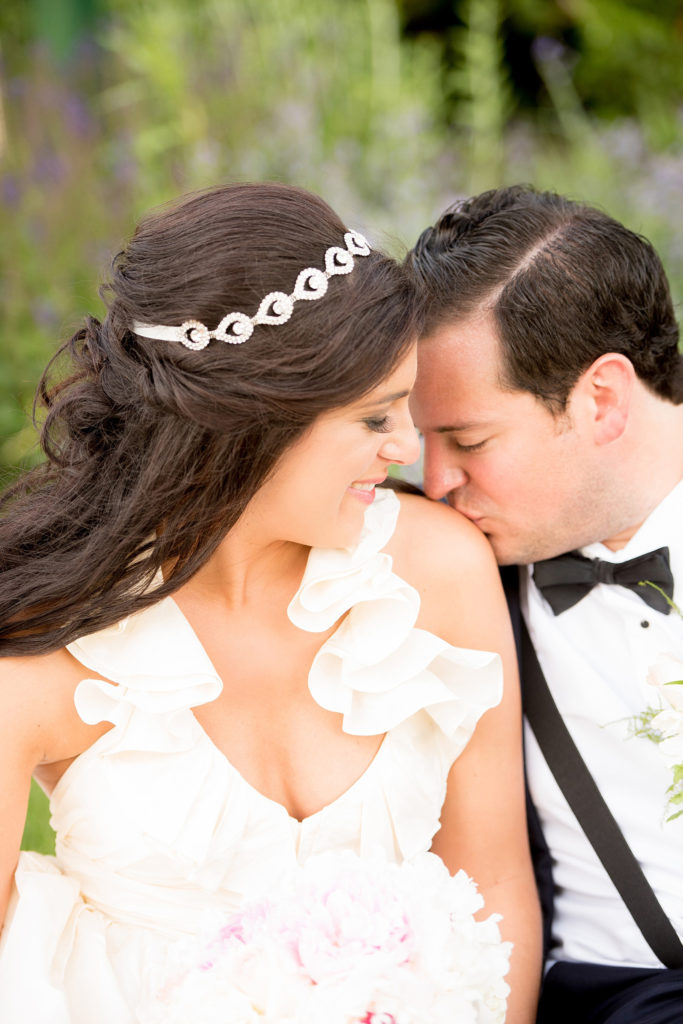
380	424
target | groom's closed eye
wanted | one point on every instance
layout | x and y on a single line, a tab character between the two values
459	446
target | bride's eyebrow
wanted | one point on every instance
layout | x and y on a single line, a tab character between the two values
384	399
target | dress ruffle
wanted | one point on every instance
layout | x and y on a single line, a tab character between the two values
154	660
377	670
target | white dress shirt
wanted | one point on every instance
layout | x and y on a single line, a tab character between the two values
595	657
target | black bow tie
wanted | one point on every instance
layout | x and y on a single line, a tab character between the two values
564	580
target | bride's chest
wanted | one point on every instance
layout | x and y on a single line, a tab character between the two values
287	747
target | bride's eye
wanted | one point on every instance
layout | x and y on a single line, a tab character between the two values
380	424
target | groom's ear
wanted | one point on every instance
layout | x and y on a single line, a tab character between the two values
605	391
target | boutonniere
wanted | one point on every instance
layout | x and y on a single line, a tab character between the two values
663	724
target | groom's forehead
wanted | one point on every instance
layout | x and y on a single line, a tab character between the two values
461	357
443	405
473	341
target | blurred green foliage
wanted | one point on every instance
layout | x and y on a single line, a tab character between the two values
390	110
37	833
625	54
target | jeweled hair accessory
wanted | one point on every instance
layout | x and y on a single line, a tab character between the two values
276	308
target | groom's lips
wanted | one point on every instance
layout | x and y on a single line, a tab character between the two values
469	515
473	517
479	521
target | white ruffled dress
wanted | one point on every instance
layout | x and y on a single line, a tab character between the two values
155	827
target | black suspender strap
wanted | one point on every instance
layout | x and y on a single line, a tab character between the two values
591	811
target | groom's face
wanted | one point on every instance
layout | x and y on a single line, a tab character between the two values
528	479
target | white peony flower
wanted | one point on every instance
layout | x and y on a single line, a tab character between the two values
346	941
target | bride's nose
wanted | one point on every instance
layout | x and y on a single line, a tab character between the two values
402	446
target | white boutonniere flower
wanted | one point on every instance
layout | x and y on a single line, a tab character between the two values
666	675
664	724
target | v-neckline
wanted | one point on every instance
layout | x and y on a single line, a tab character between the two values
360	780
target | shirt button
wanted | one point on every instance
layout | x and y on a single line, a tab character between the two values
645	624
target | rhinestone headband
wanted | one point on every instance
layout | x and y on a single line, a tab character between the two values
276	308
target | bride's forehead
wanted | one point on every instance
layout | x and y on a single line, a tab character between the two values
397	384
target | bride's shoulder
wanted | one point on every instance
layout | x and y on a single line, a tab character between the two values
26	675
38	673
451	564
431	537
37	702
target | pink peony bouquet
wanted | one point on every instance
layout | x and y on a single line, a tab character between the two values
347	941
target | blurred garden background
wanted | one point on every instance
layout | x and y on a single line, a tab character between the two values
389	108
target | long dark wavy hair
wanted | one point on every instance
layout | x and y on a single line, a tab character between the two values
154	450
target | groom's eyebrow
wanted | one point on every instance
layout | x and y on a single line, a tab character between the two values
454	427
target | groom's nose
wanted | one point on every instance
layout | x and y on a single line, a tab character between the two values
442	474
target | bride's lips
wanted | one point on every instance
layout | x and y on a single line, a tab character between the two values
364	490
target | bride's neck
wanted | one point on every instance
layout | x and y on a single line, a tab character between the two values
249	570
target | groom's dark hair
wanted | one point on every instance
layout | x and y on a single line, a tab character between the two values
565	283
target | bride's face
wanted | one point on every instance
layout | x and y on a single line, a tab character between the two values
323	485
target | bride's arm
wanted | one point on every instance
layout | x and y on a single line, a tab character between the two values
40	732
483	823
19	754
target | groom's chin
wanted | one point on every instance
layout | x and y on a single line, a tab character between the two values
509	552
507	558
